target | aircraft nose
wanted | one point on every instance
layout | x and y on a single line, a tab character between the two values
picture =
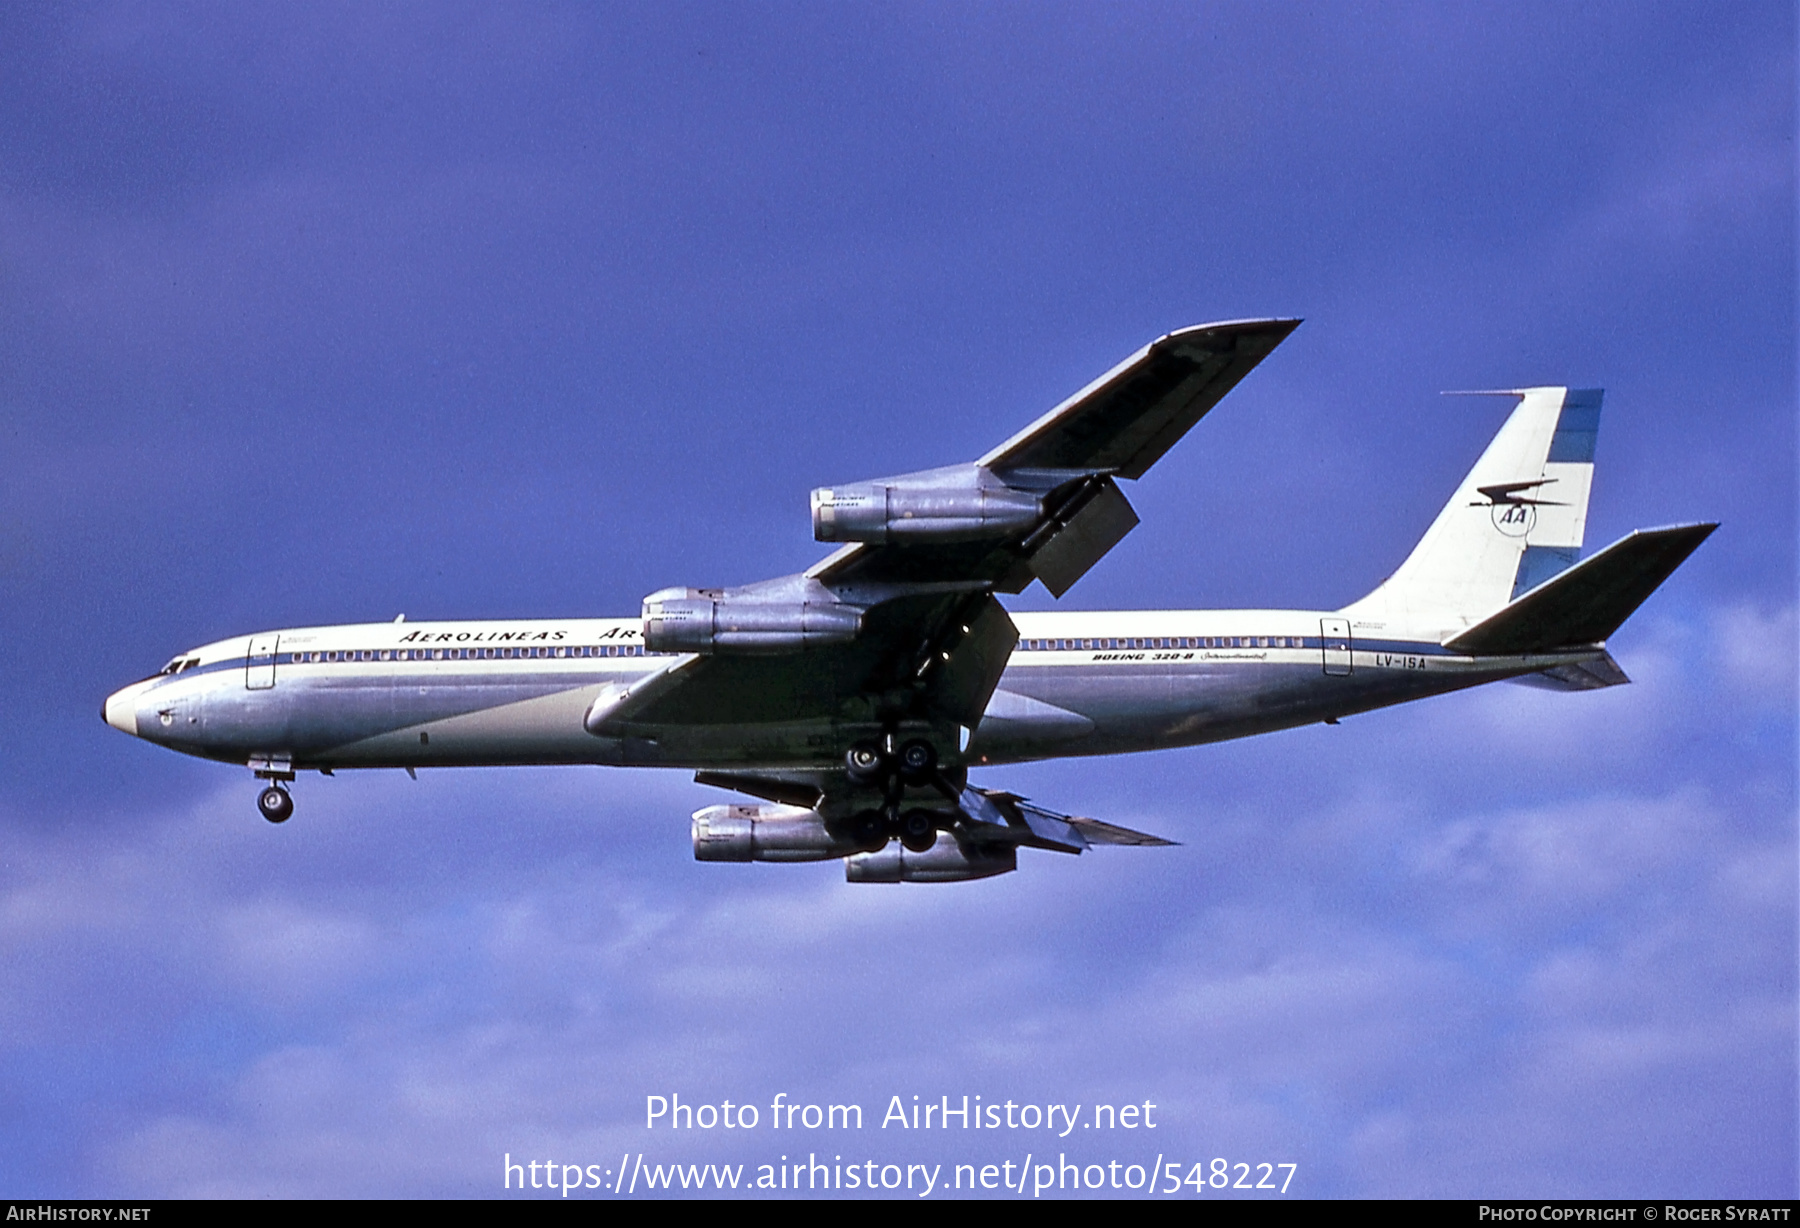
120	709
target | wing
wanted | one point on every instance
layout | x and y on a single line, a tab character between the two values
1123	422
900	630
1116	427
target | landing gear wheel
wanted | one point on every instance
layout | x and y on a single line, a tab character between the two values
863	762
918	760
918	830
274	804
870	829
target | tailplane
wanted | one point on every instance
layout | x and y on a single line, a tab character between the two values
1516	521
1587	603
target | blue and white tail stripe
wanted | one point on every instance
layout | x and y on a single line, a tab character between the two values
1568	468
1577	427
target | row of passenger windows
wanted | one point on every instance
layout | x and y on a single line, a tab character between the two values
464	654
1178	641
637	650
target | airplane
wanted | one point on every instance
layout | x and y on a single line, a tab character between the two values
852	700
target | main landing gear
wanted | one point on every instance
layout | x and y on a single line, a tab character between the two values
275	804
895	765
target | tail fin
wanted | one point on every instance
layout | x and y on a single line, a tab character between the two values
1515	521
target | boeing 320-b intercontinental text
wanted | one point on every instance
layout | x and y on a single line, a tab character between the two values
852	700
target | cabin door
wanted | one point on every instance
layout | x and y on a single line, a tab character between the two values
1334	644
259	662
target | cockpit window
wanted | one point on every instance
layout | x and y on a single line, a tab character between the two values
171	667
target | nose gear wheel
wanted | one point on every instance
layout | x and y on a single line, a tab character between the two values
275	804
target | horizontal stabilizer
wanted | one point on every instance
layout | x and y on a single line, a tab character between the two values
1592	675
1588	602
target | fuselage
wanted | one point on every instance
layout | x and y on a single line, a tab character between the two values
410	695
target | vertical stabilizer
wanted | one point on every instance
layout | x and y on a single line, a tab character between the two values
1516	520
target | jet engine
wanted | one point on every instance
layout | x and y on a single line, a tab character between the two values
709	621
947	861
766	833
960	503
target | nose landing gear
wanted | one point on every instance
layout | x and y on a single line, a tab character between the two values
275	804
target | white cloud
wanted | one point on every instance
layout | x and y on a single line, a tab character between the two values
1758	651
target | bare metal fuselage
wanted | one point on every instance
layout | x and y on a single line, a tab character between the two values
399	695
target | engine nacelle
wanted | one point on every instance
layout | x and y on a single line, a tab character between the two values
766	833
703	621
961	503
947	861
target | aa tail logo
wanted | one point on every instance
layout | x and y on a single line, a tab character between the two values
1514	519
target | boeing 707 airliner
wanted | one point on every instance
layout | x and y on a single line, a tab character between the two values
851	701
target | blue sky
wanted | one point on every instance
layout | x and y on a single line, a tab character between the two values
322	316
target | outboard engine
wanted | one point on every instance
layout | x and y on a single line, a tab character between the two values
959	503
947	861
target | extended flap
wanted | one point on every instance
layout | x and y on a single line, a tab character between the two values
1096	525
